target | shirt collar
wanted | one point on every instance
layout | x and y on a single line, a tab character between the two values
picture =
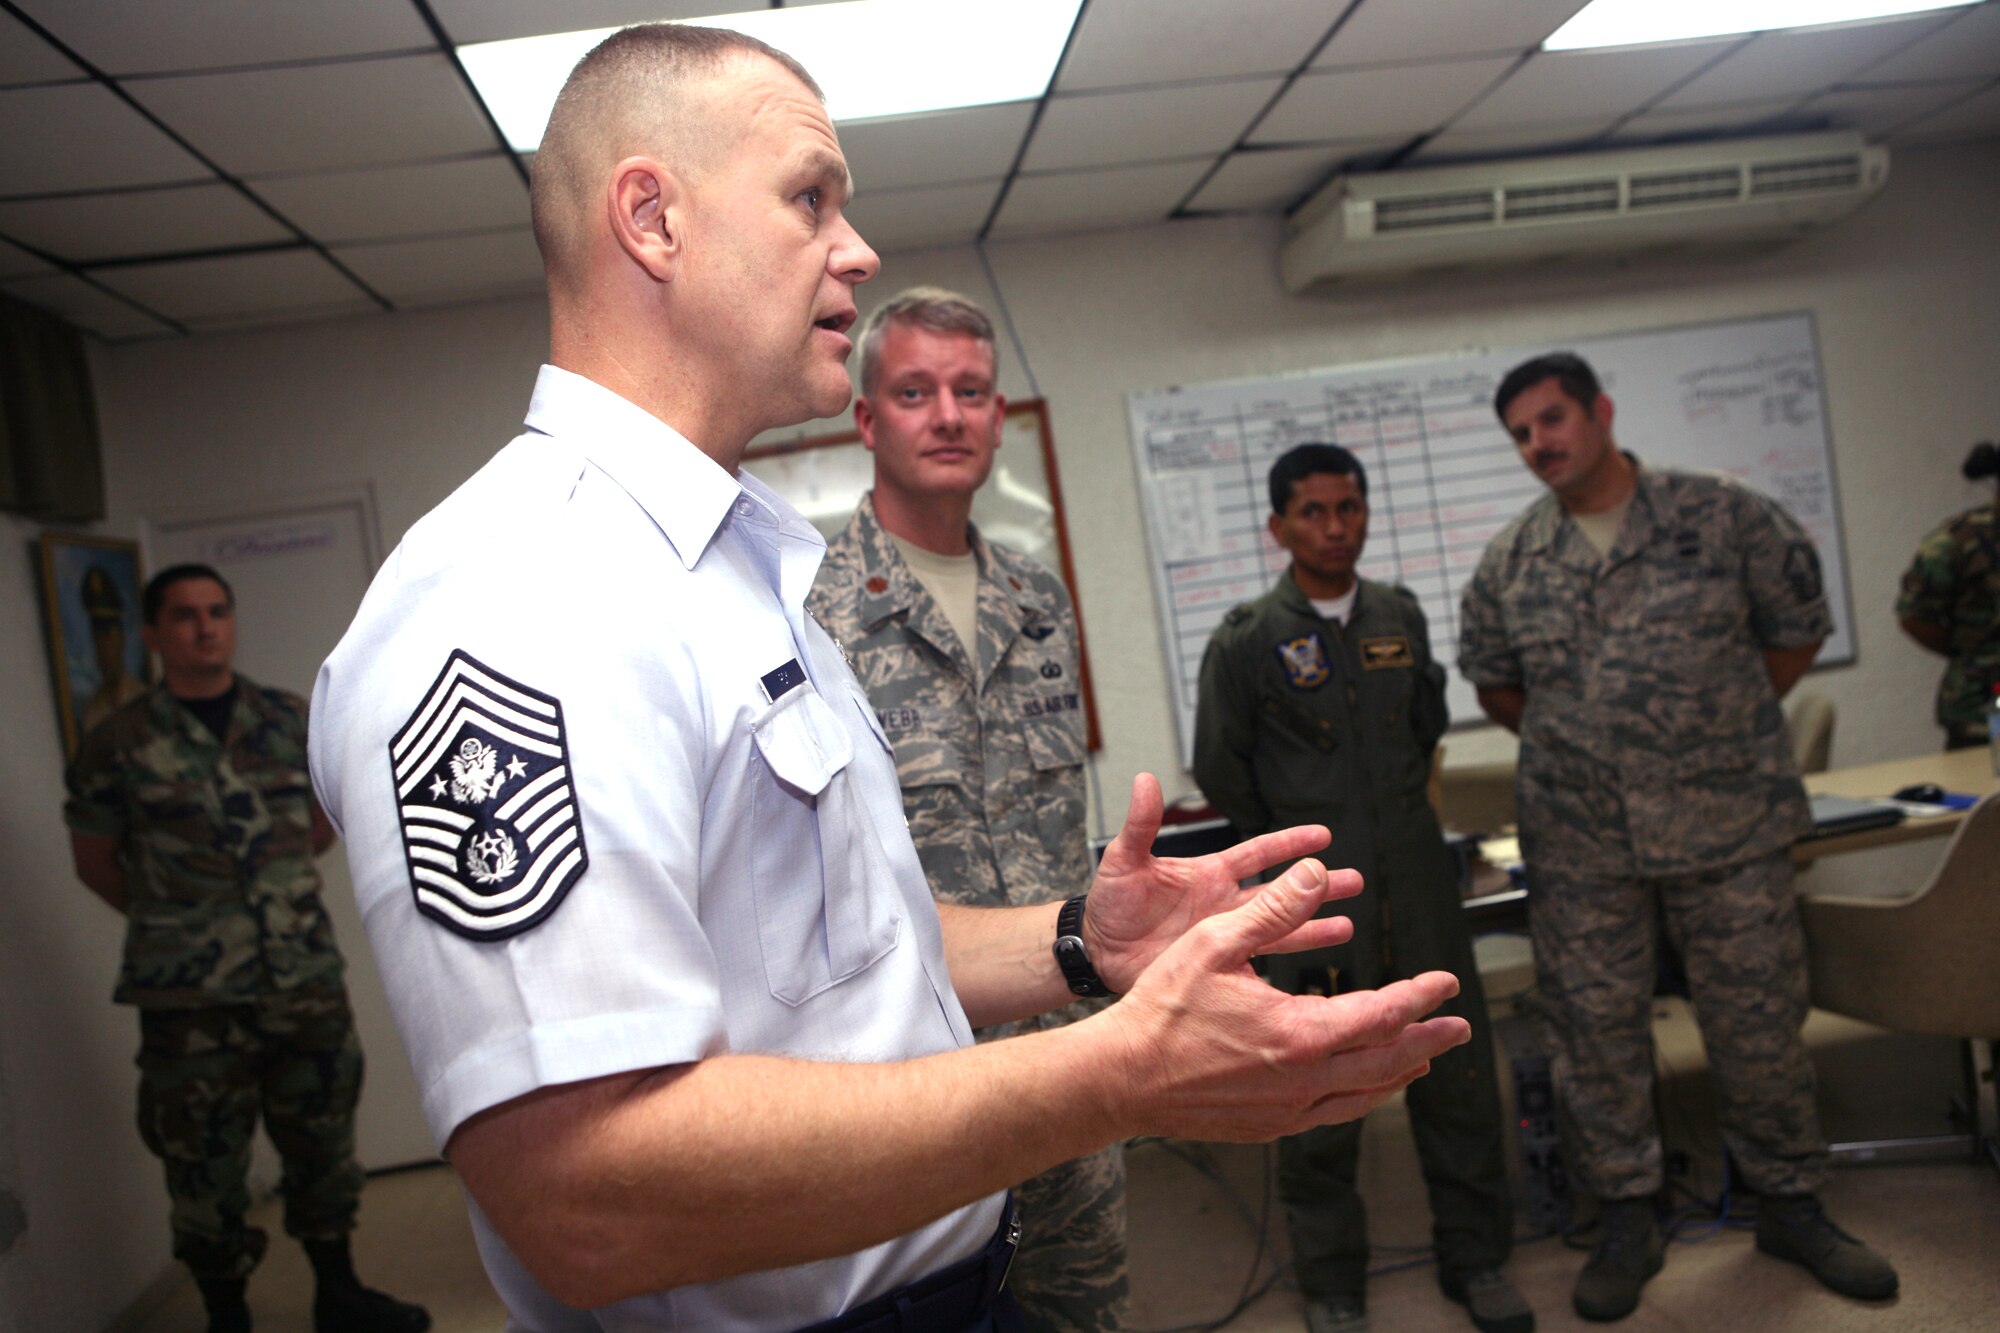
682	489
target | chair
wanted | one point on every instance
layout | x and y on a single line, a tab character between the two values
1809	720
1925	964
1476	798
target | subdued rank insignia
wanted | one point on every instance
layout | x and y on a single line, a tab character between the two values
1391	650
1305	661
488	806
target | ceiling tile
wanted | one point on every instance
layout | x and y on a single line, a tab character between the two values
379	203
121	37
494	20
26	58
86	307
1878	111
320	117
1976	117
265	319
1968	46
1125	42
1777	64
1279	177
447	268
970	144
1455	144
1103	129
1090	200
1427	29
18	263
893	220
146	222
1740	118
1405	100
1558	86
85	139
239	285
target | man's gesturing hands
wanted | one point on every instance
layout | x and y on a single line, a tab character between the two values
1210	1050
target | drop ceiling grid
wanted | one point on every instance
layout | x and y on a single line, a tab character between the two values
1421	30
1796	64
121	37
1118	128
1121	43
1379	102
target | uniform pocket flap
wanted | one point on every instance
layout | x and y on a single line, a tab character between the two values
927	761
802	741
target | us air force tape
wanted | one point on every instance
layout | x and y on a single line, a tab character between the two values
487	804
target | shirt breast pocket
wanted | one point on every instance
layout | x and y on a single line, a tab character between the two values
823	886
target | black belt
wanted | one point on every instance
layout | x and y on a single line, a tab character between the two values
954	1298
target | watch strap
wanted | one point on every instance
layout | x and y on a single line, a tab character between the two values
1071	954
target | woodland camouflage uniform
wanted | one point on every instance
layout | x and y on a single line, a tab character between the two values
230	958
1954	581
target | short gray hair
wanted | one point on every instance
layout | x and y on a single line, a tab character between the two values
931	308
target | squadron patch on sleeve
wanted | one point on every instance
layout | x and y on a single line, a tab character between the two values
487	804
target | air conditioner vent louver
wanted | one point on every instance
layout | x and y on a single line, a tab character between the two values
1433	210
1562	199
1685	187
1825	173
1573	207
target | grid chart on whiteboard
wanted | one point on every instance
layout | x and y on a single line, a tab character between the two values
1442	480
1743	397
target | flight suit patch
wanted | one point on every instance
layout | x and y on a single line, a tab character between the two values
1391	650
1304	660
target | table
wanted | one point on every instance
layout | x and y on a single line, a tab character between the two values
1968	771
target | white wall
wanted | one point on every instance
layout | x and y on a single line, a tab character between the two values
96	1208
1907	296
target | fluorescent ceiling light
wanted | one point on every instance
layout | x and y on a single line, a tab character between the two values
1635	22
872	57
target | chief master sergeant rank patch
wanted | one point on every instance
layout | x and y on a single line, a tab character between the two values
487	807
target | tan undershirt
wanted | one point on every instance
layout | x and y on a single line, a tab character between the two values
953	583
1601	530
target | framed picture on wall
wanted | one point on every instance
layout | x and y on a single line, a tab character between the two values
1020	506
90	596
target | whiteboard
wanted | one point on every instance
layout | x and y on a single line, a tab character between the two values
1743	397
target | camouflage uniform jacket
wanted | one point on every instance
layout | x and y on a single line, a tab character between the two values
1652	742
1302	720
216	843
989	754
1955	582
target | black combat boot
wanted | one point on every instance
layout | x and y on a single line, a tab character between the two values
1796	1227
342	1305
1630	1249
228	1312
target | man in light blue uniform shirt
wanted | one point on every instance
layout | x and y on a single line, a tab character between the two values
628	841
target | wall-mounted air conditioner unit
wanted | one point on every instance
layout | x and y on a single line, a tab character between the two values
1727	192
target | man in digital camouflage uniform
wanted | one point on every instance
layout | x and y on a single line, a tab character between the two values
1950	603
968	651
1320	702
1637	627
191	814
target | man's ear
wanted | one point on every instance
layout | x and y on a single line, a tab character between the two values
1601	410
864	421
999	419
149	635
649	216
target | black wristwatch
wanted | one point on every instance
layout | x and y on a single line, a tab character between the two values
1071	955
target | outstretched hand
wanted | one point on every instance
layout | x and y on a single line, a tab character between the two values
1209	1051
1141	903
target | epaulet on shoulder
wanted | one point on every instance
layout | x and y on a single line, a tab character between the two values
1239	613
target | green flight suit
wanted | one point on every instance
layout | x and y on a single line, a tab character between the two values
1302	721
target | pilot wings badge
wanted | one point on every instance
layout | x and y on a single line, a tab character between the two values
491	831
1305	662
